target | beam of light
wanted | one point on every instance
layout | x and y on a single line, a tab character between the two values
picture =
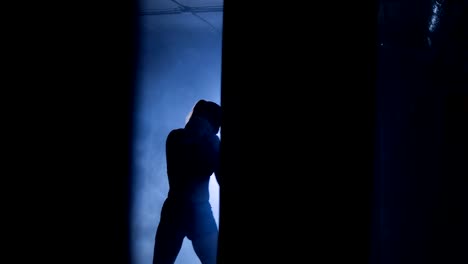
181	63
434	21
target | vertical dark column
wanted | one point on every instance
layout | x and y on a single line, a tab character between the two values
298	94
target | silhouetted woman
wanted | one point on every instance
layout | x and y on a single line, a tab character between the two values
192	156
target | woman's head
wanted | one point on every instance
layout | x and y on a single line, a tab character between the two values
208	110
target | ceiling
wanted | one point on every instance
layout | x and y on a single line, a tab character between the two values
155	7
